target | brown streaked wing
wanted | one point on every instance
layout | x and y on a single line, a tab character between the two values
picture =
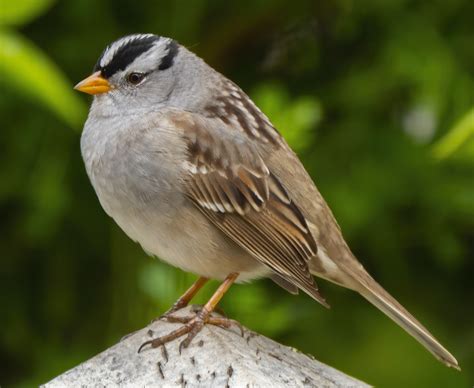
230	183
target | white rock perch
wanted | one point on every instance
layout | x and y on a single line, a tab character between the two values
217	357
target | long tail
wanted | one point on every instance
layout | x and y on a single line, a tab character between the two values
381	299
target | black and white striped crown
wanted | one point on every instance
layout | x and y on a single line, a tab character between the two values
120	54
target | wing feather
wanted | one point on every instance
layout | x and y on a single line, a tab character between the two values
229	182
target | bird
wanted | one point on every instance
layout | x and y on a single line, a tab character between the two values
191	169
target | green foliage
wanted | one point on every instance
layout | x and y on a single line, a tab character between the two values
20	12
460	135
366	92
21	64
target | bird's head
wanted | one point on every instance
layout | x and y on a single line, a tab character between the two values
142	71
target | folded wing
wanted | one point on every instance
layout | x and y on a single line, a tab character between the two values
230	183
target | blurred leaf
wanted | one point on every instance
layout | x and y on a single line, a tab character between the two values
22	11
456	137
27	69
295	119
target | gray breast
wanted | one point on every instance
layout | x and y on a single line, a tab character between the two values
130	167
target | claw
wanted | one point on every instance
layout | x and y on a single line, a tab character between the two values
183	345
143	345
193	325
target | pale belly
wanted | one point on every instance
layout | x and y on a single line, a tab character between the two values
185	239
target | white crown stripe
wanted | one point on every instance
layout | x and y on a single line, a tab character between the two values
111	50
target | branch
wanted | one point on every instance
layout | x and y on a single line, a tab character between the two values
216	358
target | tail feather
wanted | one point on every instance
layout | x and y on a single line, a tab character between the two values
381	299
342	268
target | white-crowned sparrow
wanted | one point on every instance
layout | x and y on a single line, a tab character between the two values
186	164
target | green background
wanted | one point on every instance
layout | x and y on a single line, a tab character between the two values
377	98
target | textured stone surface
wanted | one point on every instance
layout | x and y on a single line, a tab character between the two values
216	358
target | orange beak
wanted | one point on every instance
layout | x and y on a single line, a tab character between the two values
94	84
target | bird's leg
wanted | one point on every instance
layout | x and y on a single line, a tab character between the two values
194	325
186	297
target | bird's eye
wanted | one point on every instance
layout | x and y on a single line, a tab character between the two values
135	78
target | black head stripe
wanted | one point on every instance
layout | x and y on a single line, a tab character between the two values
126	54
168	59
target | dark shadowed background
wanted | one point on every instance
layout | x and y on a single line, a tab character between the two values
376	97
